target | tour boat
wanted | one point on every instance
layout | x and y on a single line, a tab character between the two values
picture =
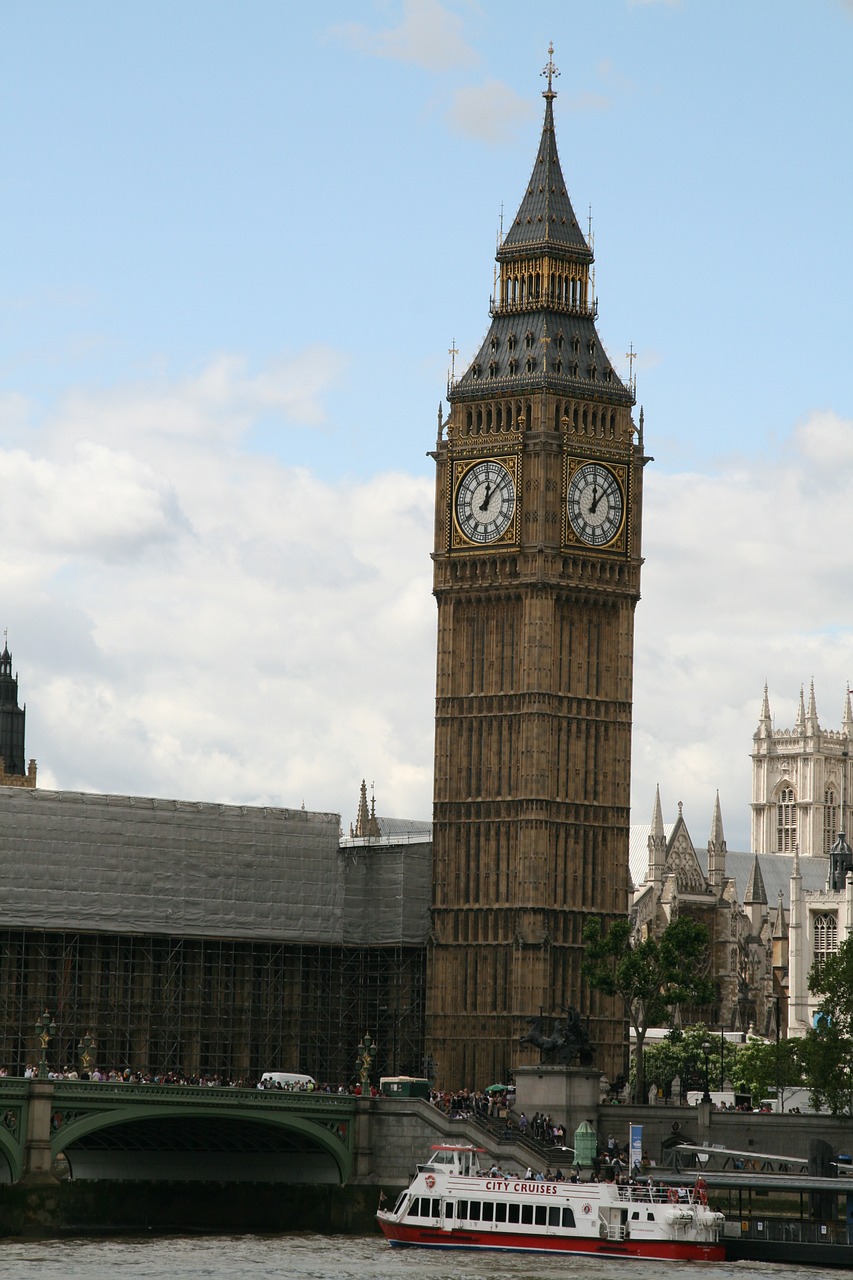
451	1203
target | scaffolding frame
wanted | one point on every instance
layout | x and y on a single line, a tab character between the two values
225	1007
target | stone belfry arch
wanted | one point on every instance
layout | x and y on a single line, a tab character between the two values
536	575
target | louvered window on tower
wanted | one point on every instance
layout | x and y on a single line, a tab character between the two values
786	821
825	934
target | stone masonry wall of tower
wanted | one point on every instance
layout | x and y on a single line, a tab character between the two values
536	575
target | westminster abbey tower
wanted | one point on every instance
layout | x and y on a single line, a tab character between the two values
536	575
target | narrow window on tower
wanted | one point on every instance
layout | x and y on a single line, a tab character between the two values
825	934
786	821
830	818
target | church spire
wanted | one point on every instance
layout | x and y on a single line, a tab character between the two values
755	890
657	842
847	717
812	725
801	713
366	823
716	847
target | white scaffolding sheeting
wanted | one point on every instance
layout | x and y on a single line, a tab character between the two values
127	864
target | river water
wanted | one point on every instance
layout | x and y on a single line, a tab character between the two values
314	1257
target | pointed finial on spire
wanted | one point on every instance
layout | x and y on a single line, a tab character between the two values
765	704
551	72
811	714
801	711
716	837
847	718
657	815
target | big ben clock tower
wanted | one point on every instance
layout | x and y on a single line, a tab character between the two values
536	575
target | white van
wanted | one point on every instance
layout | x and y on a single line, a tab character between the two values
287	1080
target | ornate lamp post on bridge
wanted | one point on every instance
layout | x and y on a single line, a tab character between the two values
84	1050
364	1061
45	1030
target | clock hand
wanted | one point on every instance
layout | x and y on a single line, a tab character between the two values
596	498
484	505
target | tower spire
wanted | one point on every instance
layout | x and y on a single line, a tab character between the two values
657	842
801	712
812	725
13	718
847	717
717	847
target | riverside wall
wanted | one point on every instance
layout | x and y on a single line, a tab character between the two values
393	1136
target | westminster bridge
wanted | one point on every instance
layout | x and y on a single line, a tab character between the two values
83	1131
116	1131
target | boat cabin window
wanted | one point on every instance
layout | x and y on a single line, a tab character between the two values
635	1216
650	1217
568	1217
553	1216
448	1208
500	1212
527	1213
514	1211
540	1215
488	1211
442	1157
474	1211
424	1207
462	1208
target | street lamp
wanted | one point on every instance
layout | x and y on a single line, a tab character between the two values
364	1062
45	1030
706	1050
83	1048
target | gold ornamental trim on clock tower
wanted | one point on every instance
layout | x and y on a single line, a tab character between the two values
484	502
595	505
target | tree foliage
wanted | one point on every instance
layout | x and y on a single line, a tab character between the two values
682	1055
762	1066
828	1045
651	977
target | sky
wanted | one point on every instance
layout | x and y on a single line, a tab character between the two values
238	243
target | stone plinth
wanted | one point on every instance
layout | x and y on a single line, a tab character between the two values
567	1094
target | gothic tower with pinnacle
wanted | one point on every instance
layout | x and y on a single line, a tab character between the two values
536	575
13	719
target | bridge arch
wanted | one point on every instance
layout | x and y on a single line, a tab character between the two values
212	1143
11	1157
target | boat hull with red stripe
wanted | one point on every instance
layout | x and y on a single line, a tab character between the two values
452	1204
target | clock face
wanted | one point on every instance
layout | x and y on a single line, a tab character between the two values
594	504
485	501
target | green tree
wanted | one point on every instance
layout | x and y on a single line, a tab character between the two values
828	1046
682	1054
761	1067
651	977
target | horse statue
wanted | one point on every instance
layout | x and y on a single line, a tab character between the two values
569	1040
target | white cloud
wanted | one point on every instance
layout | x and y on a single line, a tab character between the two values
192	619
490	111
429	35
745	580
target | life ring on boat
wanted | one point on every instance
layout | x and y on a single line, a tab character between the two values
672	1196
430	1181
